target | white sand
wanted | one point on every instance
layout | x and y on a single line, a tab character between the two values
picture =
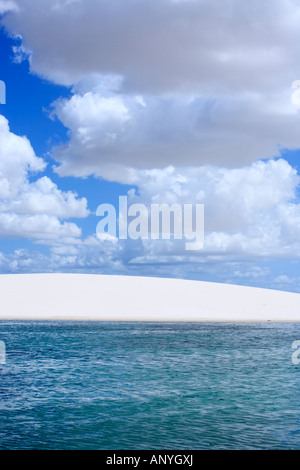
110	298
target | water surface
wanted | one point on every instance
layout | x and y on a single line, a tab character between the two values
134	385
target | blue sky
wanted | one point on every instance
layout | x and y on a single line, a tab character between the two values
166	101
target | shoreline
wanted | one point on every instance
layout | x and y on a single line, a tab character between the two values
93	297
94	320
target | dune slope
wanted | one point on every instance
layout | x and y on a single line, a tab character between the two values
113	298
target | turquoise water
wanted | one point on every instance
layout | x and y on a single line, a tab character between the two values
149	386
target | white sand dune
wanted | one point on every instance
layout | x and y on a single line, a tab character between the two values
112	298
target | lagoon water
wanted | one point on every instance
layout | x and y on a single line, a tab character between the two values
188	386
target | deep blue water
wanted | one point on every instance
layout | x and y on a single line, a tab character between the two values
88	385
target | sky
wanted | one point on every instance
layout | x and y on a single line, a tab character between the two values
163	101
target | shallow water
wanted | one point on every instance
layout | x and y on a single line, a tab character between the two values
89	385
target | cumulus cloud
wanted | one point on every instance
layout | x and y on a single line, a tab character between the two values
250	211
164	82
199	81
94	256
182	98
73	255
44	197
162	45
17	159
7	6
32	209
251	214
35	227
112	133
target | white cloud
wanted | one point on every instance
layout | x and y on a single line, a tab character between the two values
8	6
251	211
162	45
110	135
32	209
161	83
179	97
43	197
17	158
35	227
